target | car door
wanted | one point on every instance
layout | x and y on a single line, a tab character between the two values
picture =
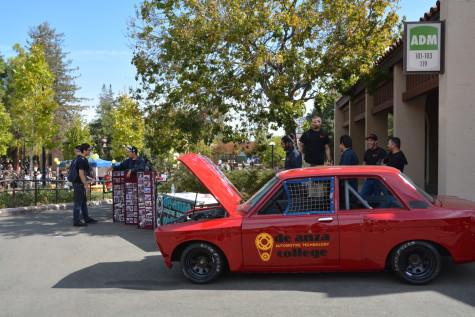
368	220
294	226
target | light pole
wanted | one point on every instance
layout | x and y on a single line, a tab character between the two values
272	145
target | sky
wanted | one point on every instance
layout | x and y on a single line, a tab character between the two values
96	37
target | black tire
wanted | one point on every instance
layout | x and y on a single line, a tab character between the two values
416	262
202	263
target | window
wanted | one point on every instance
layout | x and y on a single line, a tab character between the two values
308	196
366	193
276	205
417	203
261	192
302	197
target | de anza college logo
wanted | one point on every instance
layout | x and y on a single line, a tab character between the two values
264	244
309	245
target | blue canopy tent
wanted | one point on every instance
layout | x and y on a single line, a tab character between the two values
92	163
99	162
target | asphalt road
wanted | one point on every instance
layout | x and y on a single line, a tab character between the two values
49	268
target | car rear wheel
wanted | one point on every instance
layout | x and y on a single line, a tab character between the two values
417	262
201	263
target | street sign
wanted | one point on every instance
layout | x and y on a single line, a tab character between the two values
423	47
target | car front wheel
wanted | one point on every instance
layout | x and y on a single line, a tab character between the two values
201	263
417	262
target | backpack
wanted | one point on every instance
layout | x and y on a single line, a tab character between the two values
73	171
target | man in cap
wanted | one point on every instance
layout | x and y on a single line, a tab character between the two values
374	155
133	164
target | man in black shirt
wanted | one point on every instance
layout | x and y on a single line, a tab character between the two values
374	155
314	144
133	164
396	157
79	186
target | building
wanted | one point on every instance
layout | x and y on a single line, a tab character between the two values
433	114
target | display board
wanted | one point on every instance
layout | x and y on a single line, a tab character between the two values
146	199
133	198
118	196
131	201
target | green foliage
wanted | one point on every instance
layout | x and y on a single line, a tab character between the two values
203	63
247	181
5	135
266	153
64	85
127	127
101	128
77	133
3	75
30	98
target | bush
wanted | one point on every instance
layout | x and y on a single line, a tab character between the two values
247	181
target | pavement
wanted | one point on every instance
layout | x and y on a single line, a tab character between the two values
50	268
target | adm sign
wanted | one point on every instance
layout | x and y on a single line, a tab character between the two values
423	47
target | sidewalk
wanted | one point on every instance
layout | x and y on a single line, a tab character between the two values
40	208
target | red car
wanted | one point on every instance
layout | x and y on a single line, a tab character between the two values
359	218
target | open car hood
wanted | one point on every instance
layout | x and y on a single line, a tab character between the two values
213	179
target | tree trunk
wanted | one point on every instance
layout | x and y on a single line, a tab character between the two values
15	154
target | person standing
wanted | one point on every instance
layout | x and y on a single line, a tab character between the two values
374	155
81	170
348	156
314	144
133	164
396	157
293	158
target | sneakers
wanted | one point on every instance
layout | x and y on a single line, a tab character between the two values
91	220
80	224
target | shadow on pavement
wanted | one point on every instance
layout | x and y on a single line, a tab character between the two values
456	281
59	223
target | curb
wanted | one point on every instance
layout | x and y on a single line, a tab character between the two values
36	209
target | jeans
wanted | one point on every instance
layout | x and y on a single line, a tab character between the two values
371	187
80	202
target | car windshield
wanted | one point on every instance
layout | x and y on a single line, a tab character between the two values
419	190
261	192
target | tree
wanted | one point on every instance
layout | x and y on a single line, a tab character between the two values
30	99
5	122
64	84
3	75
77	133
127	127
101	128
5	135
204	63
265	152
